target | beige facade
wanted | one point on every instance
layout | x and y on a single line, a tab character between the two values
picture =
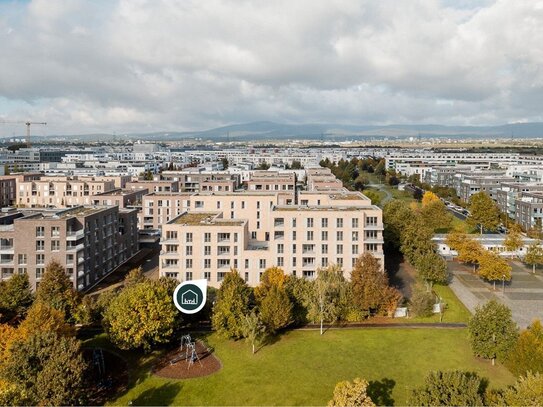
90	242
153	186
251	232
121	198
272	181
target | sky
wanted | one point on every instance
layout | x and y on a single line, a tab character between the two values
161	65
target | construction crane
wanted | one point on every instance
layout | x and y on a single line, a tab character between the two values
27	123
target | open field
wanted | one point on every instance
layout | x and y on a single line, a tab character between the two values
302	368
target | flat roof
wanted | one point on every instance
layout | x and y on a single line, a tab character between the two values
205	219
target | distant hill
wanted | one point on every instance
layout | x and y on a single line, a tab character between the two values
266	130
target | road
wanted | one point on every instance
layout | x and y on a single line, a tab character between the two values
383	188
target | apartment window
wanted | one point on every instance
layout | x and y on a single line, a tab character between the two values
262	263
339	235
232	205
353	263
324	262
223	263
55	231
207	275
55	245
199	204
188	250
257	204
207	263
242	204
188	275
280	248
339	249
223	237
246	276
218	204
355	249
294	262
188	263
207	237
235	237
40	231
246	264
371	247
207	250
293	222
324	235
40	245
170	234
21	258
324	249
40	258
189	237
355	222
371	220
339	222
258	224
324	222
294	235
309	222
371	234
339	261
231	214
253	235
280	262
39	272
223	250
309	235
22	270
258	215
355	237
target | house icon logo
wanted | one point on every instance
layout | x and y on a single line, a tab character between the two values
190	296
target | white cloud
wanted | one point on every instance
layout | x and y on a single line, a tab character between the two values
164	64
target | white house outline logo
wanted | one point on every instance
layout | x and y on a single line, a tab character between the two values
190	296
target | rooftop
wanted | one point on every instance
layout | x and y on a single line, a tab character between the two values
204	219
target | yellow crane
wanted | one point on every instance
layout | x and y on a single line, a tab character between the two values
27	123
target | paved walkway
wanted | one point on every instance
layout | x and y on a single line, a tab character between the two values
523	295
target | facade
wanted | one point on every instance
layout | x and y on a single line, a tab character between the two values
7	191
89	241
252	232
529	210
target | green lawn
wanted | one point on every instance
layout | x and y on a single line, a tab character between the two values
455	311
302	368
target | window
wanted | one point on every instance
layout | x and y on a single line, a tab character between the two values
280	262
207	250
324	222
207	275
22	270
55	231
258	223
207	263
280	248
39	272
355	222
353	263
40	245
40	231
309	222
40	258
188	250
324	235
218	204
188	275
246	277
258	205
308	248
293	222
371	247
324	249
189	237
262	263
339	261
339	249
223	263
279	235
246	264
188	263
294	262
309	235
371	220
324	261
235	237
207	237
355	249
199	204
232	205
371	234
339	222
21	259
355	237
223	237
294	235
242	204
253	235
55	245
339	235
223	250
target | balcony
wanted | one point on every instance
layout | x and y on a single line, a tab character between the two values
6	249
72	235
373	226
71	249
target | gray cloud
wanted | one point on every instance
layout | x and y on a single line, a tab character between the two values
164	64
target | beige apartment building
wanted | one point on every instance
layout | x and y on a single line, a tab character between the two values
252	231
89	241
60	192
272	181
153	186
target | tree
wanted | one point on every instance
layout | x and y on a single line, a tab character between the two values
329	290
493	267
300	292
449	388
396	214
370	288
56	289
534	255
272	277
380	168
133	277
422	302
483	212
46	368
296	165
43	318
429	197
276	309
253	330
360	182
436	215
492	331
432	268
231	305
15	295
263	166
527	354
348	394
140	316
225	163
416	239
373	196
513	240
469	250
527	391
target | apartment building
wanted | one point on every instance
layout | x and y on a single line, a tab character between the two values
509	192
60	192
120	197
251	232
272	181
199	179
89	241
470	184
322	179
7	190
153	186
529	210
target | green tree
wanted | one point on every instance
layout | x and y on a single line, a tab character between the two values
349	394
527	354
133	277
483	212
492	331
373	196
48	369
416	239
380	168
527	391
329	291
493	267
360	182
225	163
534	255
253	330
272	277
300	292
276	309
432	268
296	165
428	198
370	289
513	240
231	305
449	388
396	215
140	316
41	317
15	295
422	302
57	290
435	215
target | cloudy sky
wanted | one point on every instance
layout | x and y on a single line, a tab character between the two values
125	66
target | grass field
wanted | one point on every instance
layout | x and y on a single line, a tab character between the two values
455	311
302	368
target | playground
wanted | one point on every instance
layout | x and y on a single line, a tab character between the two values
107	374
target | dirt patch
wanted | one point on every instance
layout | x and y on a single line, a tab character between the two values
107	374
174	364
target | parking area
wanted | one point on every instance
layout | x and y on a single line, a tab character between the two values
523	294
